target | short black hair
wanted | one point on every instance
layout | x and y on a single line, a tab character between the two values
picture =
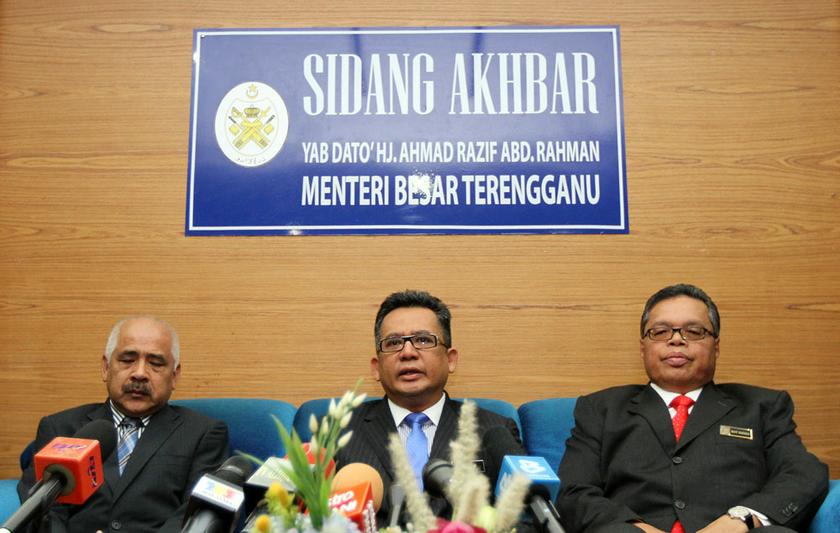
411	298
682	289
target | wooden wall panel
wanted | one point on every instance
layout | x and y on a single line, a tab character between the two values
733	156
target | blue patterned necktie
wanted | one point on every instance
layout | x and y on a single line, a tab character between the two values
129	433
417	445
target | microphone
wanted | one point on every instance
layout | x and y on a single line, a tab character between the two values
272	470
504	458
68	469
357	494
543	490
396	497
436	477
215	501
498	442
355	473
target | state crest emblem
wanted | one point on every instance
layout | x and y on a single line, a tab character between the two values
251	124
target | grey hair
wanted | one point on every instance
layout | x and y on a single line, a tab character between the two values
114	337
683	289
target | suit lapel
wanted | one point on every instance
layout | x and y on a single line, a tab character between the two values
711	406
445	432
109	464
160	428
650	406
378	425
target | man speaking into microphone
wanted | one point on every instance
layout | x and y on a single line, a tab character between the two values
414	357
162	450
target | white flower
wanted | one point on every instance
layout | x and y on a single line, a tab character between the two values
345	421
342	442
332	408
357	401
345	400
313	423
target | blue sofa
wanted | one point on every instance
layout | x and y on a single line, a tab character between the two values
545	425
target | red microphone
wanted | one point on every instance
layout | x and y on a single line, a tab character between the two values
357	494
69	470
356	503
78	460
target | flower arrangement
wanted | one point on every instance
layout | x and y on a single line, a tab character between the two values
310	468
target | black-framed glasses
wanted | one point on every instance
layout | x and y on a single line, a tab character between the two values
688	333
420	341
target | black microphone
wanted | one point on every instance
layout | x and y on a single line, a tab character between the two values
70	471
545	514
216	498
396	497
436	477
497	442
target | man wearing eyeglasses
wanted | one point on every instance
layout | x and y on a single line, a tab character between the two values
682	453
414	357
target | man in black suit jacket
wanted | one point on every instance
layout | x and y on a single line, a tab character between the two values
737	463
176	446
414	357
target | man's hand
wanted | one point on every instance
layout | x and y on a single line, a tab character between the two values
727	524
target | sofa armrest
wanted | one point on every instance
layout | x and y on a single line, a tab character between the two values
828	516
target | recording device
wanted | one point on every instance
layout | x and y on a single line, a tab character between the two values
68	469
357	494
436	477
543	490
272	470
504	458
216	499
355	473
396	497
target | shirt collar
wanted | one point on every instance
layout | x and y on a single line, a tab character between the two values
668	396
118	416
434	412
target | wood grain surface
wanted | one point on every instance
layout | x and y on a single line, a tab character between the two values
732	121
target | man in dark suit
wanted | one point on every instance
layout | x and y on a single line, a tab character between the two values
162	449
414	357
683	453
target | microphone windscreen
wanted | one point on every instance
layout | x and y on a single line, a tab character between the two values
356	473
102	431
436	477
235	470
497	442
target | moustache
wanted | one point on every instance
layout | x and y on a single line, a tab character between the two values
136	387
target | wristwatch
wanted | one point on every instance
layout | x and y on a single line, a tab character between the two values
743	514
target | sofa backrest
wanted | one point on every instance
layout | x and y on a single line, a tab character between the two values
546	425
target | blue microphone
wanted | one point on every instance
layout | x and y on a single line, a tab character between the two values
543	490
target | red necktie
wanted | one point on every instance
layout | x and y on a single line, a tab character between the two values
681	403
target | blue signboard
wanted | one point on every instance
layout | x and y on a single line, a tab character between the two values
387	131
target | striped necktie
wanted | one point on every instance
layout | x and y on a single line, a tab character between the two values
417	445
129	433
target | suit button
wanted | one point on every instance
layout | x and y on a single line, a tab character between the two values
677	460
679	504
115	524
